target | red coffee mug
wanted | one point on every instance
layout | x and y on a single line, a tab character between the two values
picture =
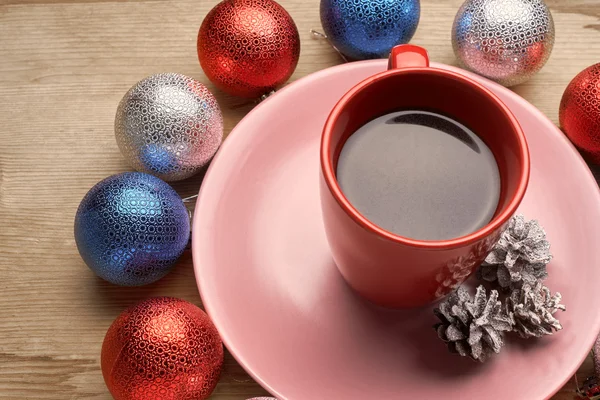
388	269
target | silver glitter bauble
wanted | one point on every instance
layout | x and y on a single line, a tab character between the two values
507	41
169	125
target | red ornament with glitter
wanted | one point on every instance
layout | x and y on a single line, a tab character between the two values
248	48
580	112
162	348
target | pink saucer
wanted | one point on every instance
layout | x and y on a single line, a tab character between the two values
268	281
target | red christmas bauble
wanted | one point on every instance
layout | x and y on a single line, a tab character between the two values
162	348
248	48
580	112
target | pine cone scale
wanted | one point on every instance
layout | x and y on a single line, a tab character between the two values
532	309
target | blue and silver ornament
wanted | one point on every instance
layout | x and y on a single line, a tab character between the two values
169	125
131	228
366	29
507	41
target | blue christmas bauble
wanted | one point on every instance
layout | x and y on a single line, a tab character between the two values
364	29
131	228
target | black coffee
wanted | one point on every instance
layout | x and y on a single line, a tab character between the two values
420	175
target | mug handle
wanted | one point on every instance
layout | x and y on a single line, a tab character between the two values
408	55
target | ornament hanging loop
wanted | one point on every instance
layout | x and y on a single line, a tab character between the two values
317	35
190	203
321	36
253	102
189	199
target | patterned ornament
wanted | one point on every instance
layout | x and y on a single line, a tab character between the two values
590	388
248	48
580	112
507	41
169	125
472	327
519	257
364	29
532	309
131	228
162	348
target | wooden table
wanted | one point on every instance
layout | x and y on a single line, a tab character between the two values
64	66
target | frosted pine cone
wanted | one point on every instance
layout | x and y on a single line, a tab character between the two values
532	309
472	327
519	257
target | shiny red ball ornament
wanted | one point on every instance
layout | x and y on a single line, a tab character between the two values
248	48
580	112
162	348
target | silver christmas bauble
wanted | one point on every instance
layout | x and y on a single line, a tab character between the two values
169	125
507	41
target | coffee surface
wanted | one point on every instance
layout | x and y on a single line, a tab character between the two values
420	175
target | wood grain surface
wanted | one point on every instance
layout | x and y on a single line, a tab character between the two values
64	65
